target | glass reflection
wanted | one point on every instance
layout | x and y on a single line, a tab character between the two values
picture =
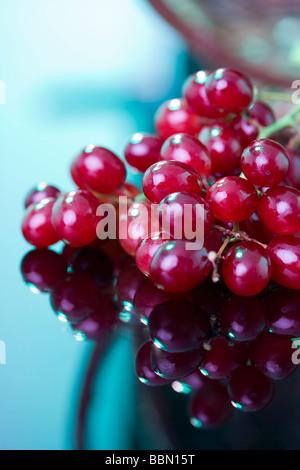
193	352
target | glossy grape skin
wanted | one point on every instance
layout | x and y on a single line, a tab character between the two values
232	199
250	390
37	226
128	282
178	326
255	229
246	130
143	150
144	369
194	381
98	169
265	162
174	366
148	296
279	210
213	240
261	113
167	177
75	176
222	358
224	147
194	92
210	406
75	297
246	269
100	324
243	318
138	226
293	176
74	217
283	307
229	90
284	253
173	215
187	149
176	269
146	250
271	354
41	191
42	270
176	116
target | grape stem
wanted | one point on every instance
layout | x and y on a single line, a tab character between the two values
288	120
215	260
237	235
274	95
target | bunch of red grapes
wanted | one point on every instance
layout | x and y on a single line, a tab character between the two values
206	151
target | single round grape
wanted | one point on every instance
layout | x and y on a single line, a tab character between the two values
37	226
283	307
98	169
142	151
229	90
167	177
272	355
224	146
178	326
232	199
246	269
265	162
187	149
144	369
175	116
74	217
222	358
174	366
75	297
210	406
101	323
42	270
279	210
243	318
250	390
284	253
175	268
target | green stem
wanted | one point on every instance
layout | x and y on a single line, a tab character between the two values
289	120
274	95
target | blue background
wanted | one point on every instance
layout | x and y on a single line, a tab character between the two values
78	73
75	73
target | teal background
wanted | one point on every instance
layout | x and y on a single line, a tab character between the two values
75	73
